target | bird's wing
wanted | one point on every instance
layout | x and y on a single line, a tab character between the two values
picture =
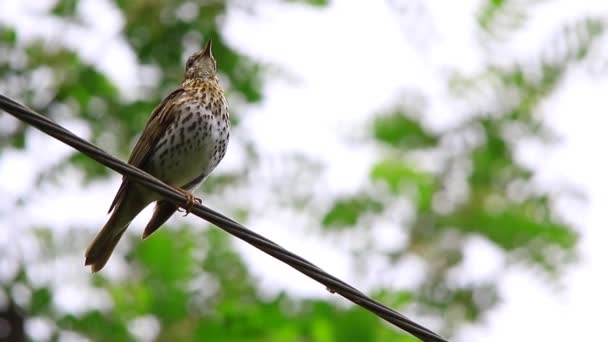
162	116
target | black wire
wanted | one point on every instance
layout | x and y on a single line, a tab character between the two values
332	283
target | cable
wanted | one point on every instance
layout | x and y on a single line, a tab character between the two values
269	247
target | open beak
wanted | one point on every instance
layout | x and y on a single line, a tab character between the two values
207	51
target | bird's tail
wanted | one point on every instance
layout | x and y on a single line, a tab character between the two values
103	245
162	212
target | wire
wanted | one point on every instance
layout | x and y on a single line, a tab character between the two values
332	283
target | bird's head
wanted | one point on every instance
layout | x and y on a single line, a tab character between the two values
201	65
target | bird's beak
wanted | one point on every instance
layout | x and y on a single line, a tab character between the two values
207	51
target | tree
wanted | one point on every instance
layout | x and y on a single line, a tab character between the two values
190	283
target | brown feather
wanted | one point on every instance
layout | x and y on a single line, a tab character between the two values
162	212
160	119
103	245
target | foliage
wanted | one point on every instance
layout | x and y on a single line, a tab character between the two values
194	286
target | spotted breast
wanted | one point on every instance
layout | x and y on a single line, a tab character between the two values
195	143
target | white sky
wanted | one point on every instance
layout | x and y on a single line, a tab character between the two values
350	60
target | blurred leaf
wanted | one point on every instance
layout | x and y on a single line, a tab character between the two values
41	299
97	326
500	18
392	298
398	130
400	176
132	300
467	302
66	8
347	211
168	264
90	168
228	268
512	228
18	139
493	160
318	3
167	255
7	36
194	283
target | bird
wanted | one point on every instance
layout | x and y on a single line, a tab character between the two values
183	141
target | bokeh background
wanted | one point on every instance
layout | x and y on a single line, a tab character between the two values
446	157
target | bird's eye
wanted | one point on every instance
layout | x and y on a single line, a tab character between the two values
190	62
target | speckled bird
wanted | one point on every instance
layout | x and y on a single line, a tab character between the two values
184	140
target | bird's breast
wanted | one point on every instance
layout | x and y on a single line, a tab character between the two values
193	145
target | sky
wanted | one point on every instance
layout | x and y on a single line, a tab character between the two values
343	72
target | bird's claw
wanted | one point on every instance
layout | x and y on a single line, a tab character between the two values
191	201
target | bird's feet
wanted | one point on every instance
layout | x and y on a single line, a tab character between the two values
191	201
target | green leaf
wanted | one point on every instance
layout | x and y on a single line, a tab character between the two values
97	326
168	265
398	130
195	283
399	177
95	83
512	229
91	168
18	139
65	8
317	3
8	36
347	211
132	299
41	300
392	297
167	255
492	158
